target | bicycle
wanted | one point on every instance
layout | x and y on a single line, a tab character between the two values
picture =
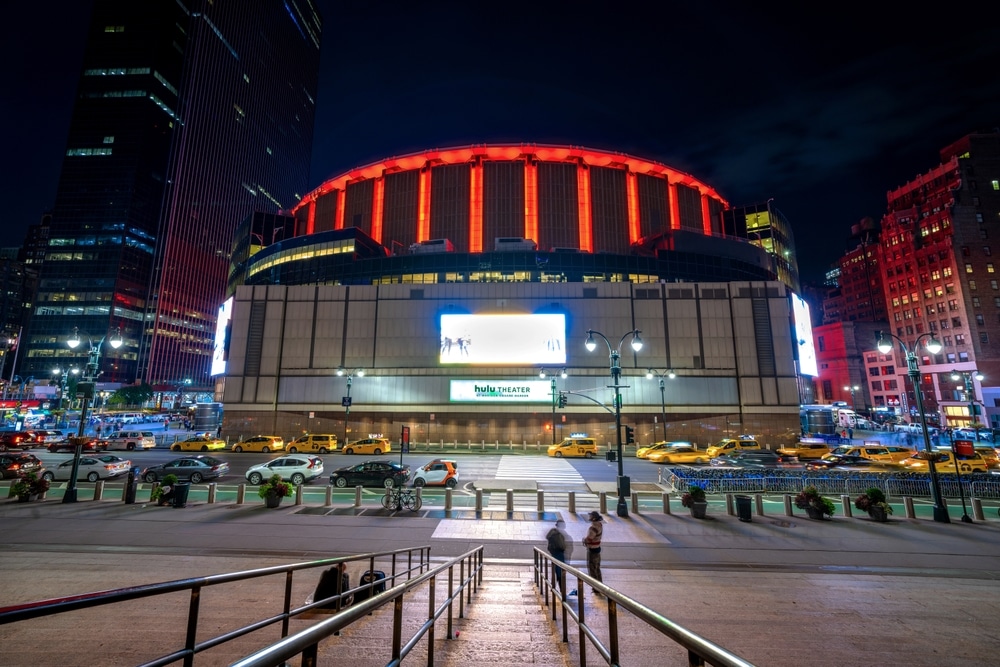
397	499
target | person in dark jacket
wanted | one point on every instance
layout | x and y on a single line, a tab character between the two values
560	546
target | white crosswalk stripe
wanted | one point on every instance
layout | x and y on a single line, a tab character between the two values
541	470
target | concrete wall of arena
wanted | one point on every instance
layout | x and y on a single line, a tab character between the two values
729	344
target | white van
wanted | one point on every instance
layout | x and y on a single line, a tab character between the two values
130	440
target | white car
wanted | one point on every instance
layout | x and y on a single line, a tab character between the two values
130	440
295	468
92	468
439	472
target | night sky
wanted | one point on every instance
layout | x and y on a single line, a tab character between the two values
824	112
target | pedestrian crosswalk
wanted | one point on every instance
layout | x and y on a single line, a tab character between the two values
544	471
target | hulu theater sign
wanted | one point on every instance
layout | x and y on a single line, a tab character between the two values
491	391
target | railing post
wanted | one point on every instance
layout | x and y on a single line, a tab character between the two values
241	493
461	581
213	489
357	496
666	503
540	500
447	499
479	500
788	505
581	620
430	616
397	627
451	593
845	500
602	498
908	507
613	649
510	500
571	500
329	495
298	494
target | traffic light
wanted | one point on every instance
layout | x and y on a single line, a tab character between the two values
562	399
629	435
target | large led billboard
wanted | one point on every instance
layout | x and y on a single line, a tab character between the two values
503	339
804	337
219	351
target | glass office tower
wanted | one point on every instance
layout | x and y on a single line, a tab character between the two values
189	116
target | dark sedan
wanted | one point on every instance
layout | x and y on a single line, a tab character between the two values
188	468
17	464
750	458
371	473
91	446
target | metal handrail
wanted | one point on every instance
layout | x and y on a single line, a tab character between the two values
306	643
50	607
698	648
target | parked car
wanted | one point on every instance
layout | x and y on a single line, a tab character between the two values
585	447
374	446
439	472
915	428
387	474
680	454
198	443
319	443
296	468
91	469
188	468
260	443
18	464
644	452
90	445
862	424
44	437
972	434
729	445
130	440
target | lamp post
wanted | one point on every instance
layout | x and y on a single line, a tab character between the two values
970	394
853	388
87	389
650	374
883	341
13	342
346	400
555	396
62	377
624	489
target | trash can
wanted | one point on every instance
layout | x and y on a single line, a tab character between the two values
611	455
181	490
131	482
743	508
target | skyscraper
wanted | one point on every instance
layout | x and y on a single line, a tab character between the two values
190	115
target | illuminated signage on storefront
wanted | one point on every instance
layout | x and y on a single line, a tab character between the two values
492	391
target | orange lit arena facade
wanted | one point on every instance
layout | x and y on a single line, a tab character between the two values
558	196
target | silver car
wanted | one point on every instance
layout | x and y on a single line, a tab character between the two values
92	468
296	468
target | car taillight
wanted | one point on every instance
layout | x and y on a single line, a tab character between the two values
311	464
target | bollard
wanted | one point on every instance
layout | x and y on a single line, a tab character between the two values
212	490
845	500
329	495
479	500
602	497
420	494
759	502
788	505
666	503
730	508
541	500
99	490
447	498
241	494
977	509
571	500
908	507
357	496
510	500
298	494
635	502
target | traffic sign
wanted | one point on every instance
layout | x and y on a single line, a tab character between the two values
346	401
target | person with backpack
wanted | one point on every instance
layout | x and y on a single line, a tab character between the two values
560	546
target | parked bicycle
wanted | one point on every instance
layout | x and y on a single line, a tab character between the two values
398	499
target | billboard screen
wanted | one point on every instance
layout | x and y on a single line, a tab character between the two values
804	337
222	337
503	339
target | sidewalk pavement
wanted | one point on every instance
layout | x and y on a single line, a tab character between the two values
778	590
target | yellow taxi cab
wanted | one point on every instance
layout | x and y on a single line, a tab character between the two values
319	443
989	455
898	453
872	452
644	452
945	462
680	454
727	446
804	451
260	443
198	443
374	446
585	447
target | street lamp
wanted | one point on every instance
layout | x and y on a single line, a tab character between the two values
624	489
883	341
346	400
650	374
87	389
853	388
62	377
12	342
970	394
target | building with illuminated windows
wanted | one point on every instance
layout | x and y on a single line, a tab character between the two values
463	282
179	131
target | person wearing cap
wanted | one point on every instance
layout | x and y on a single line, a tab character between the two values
559	546
593	543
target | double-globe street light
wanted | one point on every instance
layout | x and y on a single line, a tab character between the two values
346	400
669	373
87	389
852	388
624	489
883	341
62	377
970	394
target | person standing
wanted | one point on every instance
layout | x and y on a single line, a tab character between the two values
559	546
593	543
